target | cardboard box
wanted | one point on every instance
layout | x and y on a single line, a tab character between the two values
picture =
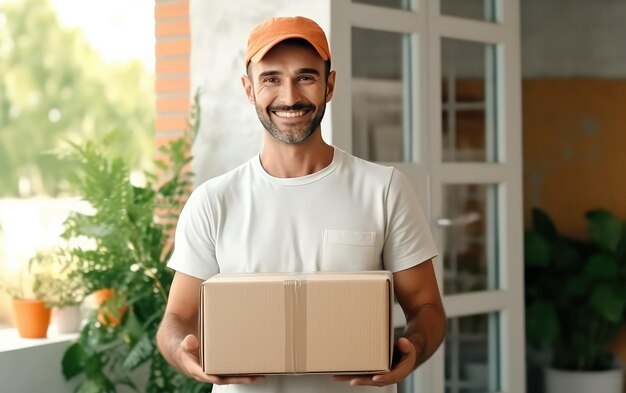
331	323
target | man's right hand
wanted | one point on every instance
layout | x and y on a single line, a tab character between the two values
188	362
177	336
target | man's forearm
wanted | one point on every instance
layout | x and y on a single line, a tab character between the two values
172	331
426	330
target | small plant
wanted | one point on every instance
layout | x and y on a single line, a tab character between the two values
61	281
24	286
30	311
575	290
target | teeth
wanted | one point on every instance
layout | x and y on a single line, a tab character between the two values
290	114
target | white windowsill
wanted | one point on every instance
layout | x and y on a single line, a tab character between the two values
11	341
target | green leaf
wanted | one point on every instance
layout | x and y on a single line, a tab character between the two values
101	385
95	230
605	230
140	353
73	362
126	381
543	224
132	325
577	286
536	249
601	265
564	255
542	324
608	303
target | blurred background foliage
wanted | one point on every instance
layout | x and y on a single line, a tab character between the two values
55	87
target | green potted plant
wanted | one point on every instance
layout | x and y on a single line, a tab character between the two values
576	299
63	286
129	231
31	314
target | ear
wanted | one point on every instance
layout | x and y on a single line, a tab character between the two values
330	85
249	89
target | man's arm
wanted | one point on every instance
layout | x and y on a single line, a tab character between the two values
177	337
418	294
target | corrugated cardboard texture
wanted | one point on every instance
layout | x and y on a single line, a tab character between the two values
296	323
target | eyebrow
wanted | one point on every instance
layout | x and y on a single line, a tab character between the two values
299	71
307	71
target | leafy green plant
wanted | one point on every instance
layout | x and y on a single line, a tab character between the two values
58	278
575	290
25	286
129	230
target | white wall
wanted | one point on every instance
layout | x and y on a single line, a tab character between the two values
34	369
34	365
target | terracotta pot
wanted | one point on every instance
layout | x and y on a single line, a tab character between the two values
32	318
107	318
103	295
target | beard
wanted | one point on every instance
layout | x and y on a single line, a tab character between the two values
297	133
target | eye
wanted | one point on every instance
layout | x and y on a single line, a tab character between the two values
271	80
306	78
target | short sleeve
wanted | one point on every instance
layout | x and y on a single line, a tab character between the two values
408	239
194	242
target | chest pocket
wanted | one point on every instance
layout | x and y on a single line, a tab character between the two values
350	251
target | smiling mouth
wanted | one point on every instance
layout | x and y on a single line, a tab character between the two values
290	114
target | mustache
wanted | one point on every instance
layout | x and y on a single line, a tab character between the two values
295	107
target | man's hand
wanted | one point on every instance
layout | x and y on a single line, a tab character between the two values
406	358
187	359
177	336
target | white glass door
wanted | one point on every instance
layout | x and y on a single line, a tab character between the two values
433	88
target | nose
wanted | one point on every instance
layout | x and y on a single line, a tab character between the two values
289	93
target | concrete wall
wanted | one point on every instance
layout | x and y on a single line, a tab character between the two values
573	38
560	39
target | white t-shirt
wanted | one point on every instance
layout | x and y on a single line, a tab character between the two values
352	215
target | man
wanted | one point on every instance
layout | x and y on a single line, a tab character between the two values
301	205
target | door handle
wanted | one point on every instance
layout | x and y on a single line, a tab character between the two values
460	221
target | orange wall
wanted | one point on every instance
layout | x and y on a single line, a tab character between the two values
574	149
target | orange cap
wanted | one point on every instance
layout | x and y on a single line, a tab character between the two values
269	33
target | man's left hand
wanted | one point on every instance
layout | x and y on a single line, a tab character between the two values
405	364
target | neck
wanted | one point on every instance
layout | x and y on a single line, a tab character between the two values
296	160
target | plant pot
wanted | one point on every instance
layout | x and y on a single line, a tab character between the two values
32	318
67	319
108	318
563	381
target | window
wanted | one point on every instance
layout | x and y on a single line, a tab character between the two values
86	70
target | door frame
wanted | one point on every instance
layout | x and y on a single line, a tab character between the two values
430	174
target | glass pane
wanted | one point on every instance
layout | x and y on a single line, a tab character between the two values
472	354
471	9
400	4
381	121
469	101
470	229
